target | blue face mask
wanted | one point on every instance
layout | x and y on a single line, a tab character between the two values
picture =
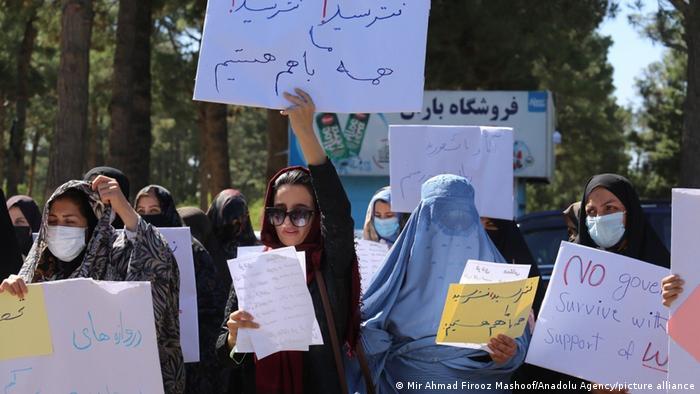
386	228
606	231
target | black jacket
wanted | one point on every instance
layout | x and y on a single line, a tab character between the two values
320	375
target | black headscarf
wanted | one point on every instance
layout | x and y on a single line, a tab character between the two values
11	257
168	216
227	206
642	242
510	242
29	209
199	224
31	212
121	179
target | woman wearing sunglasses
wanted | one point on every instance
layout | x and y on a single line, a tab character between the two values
308	209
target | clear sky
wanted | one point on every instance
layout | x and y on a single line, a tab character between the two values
630	53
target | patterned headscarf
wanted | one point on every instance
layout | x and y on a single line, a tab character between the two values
41	266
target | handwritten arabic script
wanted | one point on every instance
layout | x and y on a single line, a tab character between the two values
482	155
253	51
474	313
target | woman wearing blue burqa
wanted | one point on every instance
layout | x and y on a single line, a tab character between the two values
403	304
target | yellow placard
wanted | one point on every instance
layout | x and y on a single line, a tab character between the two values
475	313
24	325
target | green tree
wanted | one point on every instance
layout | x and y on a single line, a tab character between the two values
659	125
548	45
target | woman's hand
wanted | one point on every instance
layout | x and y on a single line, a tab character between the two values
14	285
672	287
111	194
301	118
503	348
238	319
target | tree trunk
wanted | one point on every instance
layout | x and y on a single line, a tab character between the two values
690	161
17	139
214	159
68	146
277	142
203	156
32	166
217	139
3	124
130	133
95	155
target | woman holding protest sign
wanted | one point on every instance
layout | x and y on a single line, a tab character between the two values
308	209
156	206
611	218
76	240
381	223
403	306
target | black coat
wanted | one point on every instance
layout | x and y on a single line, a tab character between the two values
320	374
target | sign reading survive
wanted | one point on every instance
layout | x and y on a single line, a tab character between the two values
359	56
484	155
103	338
602	319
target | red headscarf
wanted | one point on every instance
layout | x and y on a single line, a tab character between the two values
283	372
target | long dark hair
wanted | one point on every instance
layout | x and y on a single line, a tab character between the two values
295	177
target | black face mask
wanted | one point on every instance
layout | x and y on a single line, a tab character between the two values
24	238
158	220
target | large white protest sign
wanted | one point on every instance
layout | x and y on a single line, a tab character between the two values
684	348
359	56
370	256
271	287
602	319
180	241
103	337
484	155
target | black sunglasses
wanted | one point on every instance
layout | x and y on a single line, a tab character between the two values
299	217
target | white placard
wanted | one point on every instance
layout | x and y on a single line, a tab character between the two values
104	341
359	56
180	242
484	155
370	256
489	272
271	287
684	367
248	250
602	320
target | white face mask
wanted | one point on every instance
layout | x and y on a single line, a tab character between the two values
66	243
606	231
